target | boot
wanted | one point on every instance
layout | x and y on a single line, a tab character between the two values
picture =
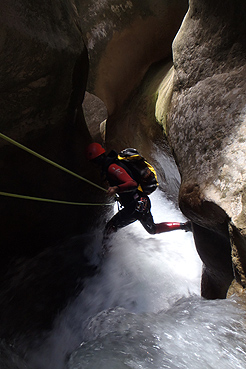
186	226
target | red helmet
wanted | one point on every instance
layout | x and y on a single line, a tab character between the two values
94	150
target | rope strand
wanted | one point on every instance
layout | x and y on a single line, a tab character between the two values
50	200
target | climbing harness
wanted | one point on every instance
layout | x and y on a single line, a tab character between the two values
142	205
117	199
6	138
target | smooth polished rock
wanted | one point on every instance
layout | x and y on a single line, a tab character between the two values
206	123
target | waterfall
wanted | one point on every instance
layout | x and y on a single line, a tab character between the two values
143	308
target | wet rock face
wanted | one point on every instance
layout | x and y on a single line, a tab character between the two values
43	74
94	112
209	104
123	39
41	287
40	47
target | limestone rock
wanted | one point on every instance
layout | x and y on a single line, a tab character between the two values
40	47
95	113
124	39
135	125
44	67
206	125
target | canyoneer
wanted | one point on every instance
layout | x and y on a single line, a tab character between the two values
134	200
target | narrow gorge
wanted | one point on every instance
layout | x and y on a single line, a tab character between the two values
165	77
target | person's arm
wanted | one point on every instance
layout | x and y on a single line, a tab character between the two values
126	182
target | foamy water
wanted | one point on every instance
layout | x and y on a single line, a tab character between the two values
143	309
141	273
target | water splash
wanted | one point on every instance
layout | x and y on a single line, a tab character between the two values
141	273
143	310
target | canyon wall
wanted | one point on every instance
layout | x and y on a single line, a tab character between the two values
206	127
184	98
44	68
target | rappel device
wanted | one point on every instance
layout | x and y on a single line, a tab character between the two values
143	172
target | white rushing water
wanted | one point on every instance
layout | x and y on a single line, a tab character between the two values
143	309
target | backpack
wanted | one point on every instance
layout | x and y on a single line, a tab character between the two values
142	172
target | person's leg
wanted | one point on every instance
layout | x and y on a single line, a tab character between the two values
147	221
153	228
121	219
145	217
172	226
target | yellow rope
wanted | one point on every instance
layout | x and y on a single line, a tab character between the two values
6	138
49	200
